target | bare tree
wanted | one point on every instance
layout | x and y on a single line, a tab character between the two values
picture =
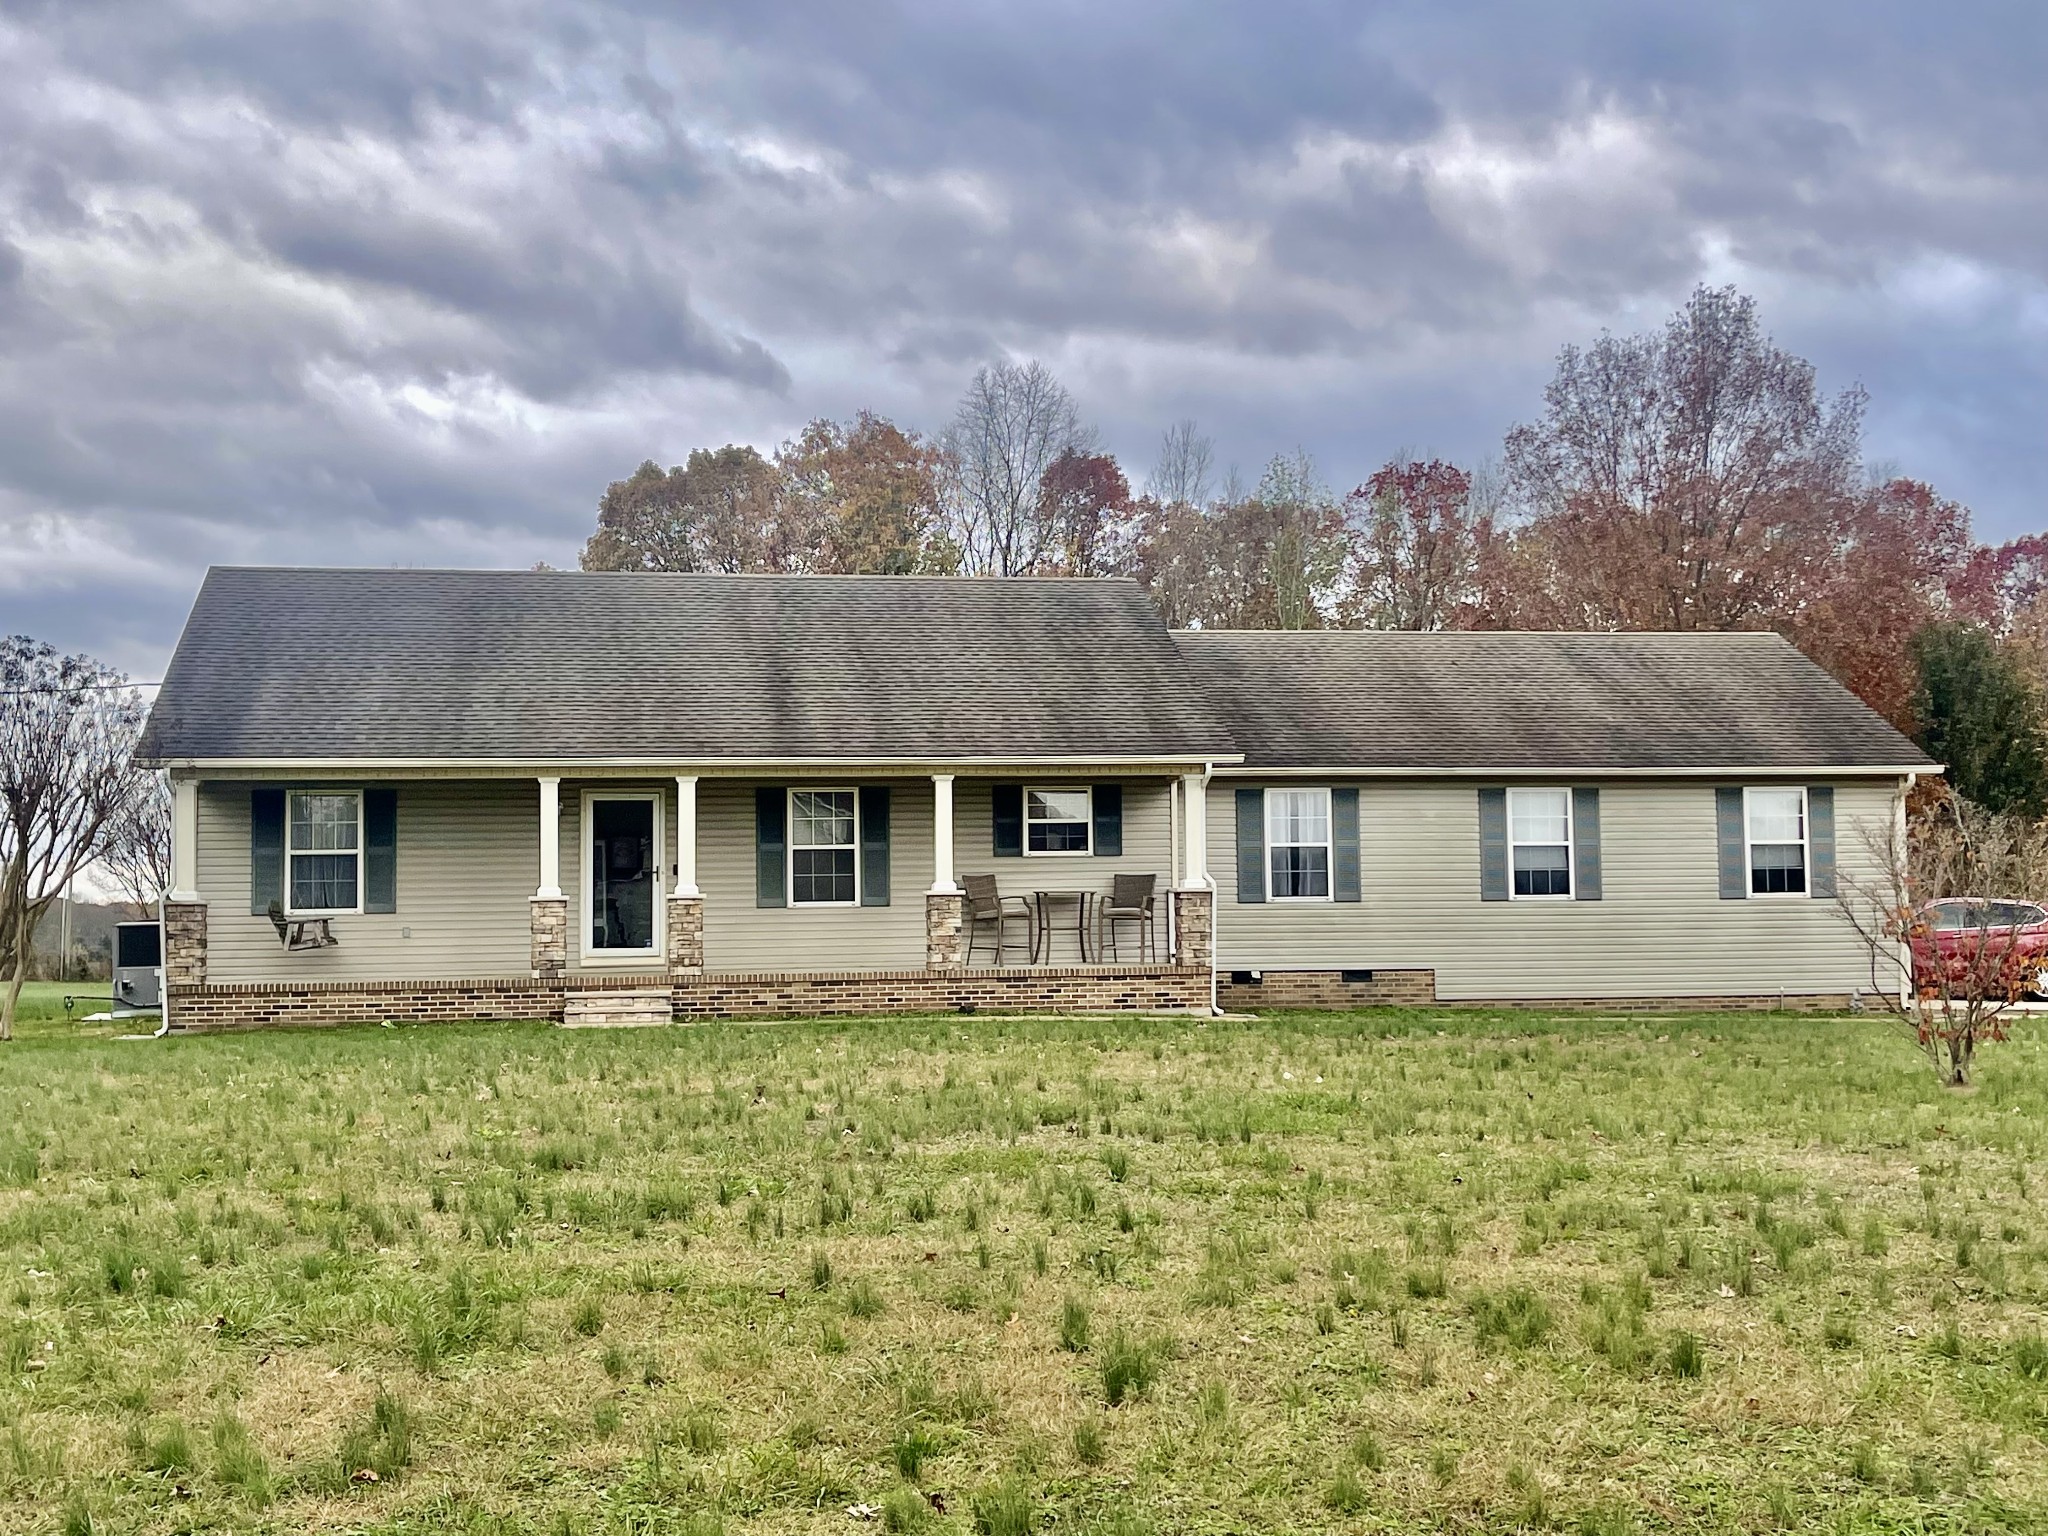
1186	461
1945	957
1013	424
138	856
68	728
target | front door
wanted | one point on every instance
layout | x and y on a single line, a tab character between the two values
624	873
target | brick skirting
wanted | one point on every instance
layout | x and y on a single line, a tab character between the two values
1325	989
728	995
1416	988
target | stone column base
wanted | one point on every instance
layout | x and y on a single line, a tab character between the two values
549	919
184	944
945	931
686	935
1194	928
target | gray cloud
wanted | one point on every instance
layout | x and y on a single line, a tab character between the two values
375	282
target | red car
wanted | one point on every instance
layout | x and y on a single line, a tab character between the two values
1977	943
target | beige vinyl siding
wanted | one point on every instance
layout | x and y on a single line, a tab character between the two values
1661	929
467	863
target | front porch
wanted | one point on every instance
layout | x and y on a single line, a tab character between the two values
693	896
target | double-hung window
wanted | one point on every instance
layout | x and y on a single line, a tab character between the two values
1540	842
323	851
1058	820
824	853
1298	845
1776	830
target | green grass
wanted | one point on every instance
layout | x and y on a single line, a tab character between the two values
1426	1271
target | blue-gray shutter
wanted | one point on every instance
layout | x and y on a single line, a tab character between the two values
1820	840
380	850
1006	805
771	846
266	849
1586	844
1493	845
1734	856
1108	800
1344	883
1251	845
874	846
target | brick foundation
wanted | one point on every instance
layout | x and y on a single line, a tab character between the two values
1325	989
549	918
685	935
184	943
945	931
1194	927
1417	988
731	995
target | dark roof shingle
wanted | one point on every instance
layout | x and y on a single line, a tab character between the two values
522	665
1562	702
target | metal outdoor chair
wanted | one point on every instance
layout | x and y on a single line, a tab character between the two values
1131	900
987	907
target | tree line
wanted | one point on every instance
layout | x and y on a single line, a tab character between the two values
1693	477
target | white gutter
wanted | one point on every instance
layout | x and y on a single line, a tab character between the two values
730	767
1550	771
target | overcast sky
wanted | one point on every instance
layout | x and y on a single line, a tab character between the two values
340	283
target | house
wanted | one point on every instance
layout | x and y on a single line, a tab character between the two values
624	796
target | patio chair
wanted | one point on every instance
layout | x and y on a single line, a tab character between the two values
301	932
1130	900
986	906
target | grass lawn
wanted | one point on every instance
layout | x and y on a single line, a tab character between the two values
1390	1271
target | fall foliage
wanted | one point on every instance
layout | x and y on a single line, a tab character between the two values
1690	478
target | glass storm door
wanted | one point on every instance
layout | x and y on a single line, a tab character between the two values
623	874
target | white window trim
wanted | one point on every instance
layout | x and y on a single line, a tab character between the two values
586	953
1749	843
1328	845
290	910
789	843
1571	844
1087	821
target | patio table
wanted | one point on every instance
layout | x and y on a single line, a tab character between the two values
1044	902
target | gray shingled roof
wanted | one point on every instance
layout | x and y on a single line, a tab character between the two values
520	665
1568	702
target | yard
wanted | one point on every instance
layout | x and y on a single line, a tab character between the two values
1400	1270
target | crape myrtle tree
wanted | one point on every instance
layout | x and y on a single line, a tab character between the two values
68	730
1953	991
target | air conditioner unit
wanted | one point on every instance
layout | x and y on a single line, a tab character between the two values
138	967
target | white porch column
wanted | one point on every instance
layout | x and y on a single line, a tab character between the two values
1194	821
943	883
184	840
686	835
550	840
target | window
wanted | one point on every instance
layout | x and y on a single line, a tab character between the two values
823	854
1540	842
1058	820
1297	845
1777	841
622	874
324	851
